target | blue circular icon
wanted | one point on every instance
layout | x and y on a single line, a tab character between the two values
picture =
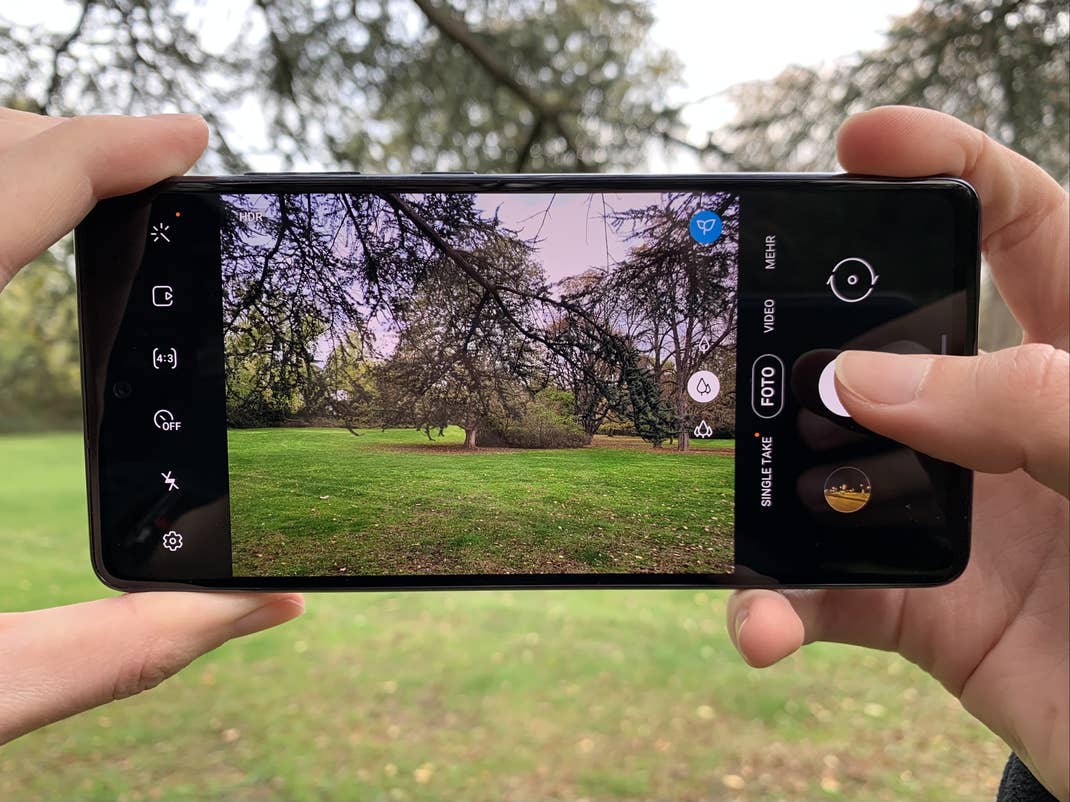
706	227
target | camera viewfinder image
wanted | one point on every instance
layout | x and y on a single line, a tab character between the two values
448	383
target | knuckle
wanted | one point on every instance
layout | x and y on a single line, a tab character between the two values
147	668
154	660
77	126
1037	369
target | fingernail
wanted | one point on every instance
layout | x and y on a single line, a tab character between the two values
272	613
741	619
880	378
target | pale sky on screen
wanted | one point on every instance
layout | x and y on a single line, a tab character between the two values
719	42
573	236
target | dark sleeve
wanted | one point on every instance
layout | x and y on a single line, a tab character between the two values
1019	784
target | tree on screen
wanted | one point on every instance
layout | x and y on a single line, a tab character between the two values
576	364
524	303
679	294
308	275
442	294
462	356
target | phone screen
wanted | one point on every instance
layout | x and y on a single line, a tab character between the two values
523	385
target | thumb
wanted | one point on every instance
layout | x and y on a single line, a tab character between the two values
52	180
54	663
994	413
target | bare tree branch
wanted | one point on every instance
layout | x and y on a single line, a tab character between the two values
61	49
525	152
454	29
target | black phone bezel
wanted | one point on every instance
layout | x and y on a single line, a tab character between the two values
94	349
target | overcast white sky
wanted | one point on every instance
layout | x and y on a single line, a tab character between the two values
719	42
731	41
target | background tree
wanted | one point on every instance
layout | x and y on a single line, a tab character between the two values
1001	65
39	387
409	84
345	388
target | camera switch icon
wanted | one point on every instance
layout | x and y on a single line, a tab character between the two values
852	280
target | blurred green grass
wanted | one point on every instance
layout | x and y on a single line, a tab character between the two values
489	695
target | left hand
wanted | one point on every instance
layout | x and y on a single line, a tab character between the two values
54	663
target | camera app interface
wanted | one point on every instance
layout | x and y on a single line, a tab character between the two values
450	383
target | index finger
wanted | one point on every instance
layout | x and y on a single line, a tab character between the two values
52	180
1025	231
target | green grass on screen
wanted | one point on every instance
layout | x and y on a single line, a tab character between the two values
308	502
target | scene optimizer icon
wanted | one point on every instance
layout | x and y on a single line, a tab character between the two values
706	227
159	232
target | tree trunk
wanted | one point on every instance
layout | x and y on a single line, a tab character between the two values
470	437
684	443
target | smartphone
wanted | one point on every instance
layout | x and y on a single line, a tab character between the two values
339	381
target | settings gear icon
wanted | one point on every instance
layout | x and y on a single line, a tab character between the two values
172	541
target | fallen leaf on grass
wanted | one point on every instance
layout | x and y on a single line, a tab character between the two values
423	774
733	781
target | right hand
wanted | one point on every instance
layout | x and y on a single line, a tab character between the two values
997	638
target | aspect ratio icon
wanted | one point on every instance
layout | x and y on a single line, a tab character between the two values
852	280
164	420
165	358
163	295
703	386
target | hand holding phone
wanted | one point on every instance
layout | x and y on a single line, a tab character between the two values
64	660
997	636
